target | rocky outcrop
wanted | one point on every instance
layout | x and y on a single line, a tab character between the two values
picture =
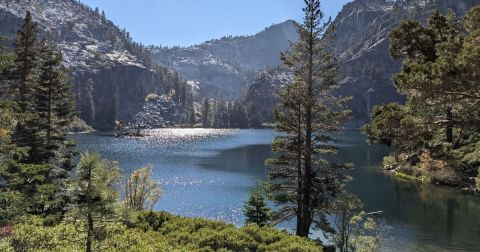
261	95
94	49
159	111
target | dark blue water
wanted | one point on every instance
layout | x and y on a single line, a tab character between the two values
209	173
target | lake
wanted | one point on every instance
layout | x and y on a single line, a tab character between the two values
210	172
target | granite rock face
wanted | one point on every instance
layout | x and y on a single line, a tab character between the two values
361	47
94	49
262	92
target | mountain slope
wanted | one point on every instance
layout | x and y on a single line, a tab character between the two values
366	69
225	66
94	49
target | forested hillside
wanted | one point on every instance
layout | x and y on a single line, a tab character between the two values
112	74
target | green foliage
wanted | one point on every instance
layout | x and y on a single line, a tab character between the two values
440	79
23	72
23	187
156	231
94	196
394	125
356	230
36	155
141	191
53	116
256	210
217	113
204	235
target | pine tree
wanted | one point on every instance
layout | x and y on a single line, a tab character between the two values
192	119
24	75
5	60
24	69
54	113
54	109
302	181
206	113
426	71
40	89
21	184
94	196
439	79
256	210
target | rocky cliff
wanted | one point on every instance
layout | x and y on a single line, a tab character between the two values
366	69
94	49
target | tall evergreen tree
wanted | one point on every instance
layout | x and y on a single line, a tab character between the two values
24	70
54	113
21	185
54	109
206	113
24	75
192	119
302	181
256	210
41	90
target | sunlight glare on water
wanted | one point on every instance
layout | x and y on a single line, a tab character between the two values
209	173
186	135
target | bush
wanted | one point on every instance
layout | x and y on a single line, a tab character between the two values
157	231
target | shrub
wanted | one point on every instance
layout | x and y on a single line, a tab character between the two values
157	231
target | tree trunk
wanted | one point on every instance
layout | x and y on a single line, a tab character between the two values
299	175
88	247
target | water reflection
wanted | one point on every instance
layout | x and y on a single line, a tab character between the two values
209	173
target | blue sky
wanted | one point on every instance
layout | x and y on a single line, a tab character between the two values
188	22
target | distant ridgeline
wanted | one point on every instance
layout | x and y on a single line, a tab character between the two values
112	75
366	68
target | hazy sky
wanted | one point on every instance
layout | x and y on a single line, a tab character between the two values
188	22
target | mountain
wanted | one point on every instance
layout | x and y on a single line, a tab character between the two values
96	51
226	66
361	47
